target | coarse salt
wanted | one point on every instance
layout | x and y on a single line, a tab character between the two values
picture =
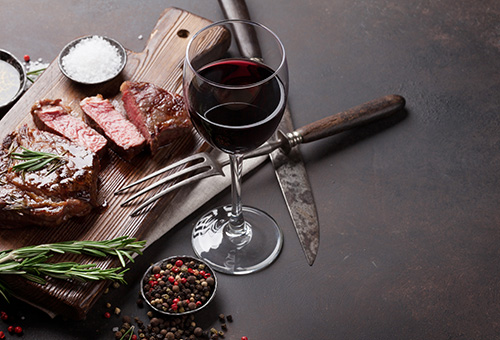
92	60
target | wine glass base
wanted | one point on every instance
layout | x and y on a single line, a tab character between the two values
237	256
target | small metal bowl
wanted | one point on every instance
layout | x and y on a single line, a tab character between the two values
186	259
67	49
10	59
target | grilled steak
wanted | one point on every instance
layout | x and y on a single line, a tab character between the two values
52	116
160	115
53	194
123	136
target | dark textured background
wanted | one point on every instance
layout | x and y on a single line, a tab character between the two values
409	207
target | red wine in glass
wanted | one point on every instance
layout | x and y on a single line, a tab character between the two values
235	97
236	121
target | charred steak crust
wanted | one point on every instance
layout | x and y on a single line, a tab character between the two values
159	115
46	197
51	115
123	136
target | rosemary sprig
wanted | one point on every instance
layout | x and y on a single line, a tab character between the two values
35	73
31	262
35	160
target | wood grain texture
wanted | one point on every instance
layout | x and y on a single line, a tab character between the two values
160	63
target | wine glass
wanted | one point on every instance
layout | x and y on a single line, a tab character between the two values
236	95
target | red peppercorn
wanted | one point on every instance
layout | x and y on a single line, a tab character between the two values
158	275
3	316
174	307
18	330
171	279
207	275
26	58
175	301
10	329
202	273
190	270
134	337
198	303
107	315
175	269
179	263
244	338
183	280
2	335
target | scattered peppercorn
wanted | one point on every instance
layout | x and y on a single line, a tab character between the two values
2	335
18	330
107	315
244	338
4	316
10	329
27	58
229	318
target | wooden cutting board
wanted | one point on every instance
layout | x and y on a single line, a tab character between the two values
160	63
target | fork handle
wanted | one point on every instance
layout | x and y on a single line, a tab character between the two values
359	115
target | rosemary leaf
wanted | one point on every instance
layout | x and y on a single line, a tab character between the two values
120	257
34	278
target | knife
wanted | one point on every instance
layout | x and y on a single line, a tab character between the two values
289	167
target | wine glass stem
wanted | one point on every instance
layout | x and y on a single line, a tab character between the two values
236	229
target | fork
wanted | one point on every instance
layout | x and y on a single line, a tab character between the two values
203	162
205	165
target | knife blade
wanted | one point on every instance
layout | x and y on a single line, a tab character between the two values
289	167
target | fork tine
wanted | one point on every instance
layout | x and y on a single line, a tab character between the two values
194	167
197	156
211	172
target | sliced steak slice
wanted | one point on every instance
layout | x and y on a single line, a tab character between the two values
123	136
51	195
160	115
53	116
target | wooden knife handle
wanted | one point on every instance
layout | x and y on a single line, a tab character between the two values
246	37
356	116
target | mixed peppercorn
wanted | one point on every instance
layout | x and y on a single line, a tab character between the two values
178	285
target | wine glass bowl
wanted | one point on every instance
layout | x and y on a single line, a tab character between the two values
235	95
